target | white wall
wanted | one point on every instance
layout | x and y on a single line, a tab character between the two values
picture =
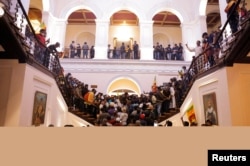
216	82
103	72
103	80
12	78
239	93
19	82
80	34
167	35
231	85
5	82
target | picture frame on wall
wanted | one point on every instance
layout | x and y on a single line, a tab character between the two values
39	108
210	108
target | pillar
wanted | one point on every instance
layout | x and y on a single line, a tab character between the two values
56	29
146	40
101	39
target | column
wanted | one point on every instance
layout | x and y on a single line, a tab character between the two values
202	22
56	29
146	40
101	39
191	32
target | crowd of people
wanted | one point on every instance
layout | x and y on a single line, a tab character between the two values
120	110
124	51
84	51
47	54
126	109
169	53
143	110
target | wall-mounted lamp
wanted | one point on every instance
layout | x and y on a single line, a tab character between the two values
1	9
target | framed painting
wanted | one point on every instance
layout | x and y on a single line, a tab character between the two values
39	107
210	108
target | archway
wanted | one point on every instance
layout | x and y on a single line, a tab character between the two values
124	28
80	28
123	84
86	37
167	23
161	38
35	16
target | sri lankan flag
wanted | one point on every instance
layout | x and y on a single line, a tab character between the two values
191	114
154	86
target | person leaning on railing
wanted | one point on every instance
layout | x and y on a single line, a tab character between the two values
197	51
40	46
52	50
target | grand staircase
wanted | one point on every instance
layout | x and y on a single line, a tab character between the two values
16	45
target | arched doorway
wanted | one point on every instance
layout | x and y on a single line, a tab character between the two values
123	84
80	28
86	37
165	25
123	29
161	38
35	16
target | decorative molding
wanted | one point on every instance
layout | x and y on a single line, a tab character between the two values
160	67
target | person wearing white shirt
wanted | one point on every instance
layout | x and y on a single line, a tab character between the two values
197	50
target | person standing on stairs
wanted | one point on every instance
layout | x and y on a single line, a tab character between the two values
173	100
159	99
234	12
89	100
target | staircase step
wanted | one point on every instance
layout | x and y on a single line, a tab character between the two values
172	111
167	114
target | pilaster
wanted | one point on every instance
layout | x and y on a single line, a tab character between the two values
146	40
101	39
